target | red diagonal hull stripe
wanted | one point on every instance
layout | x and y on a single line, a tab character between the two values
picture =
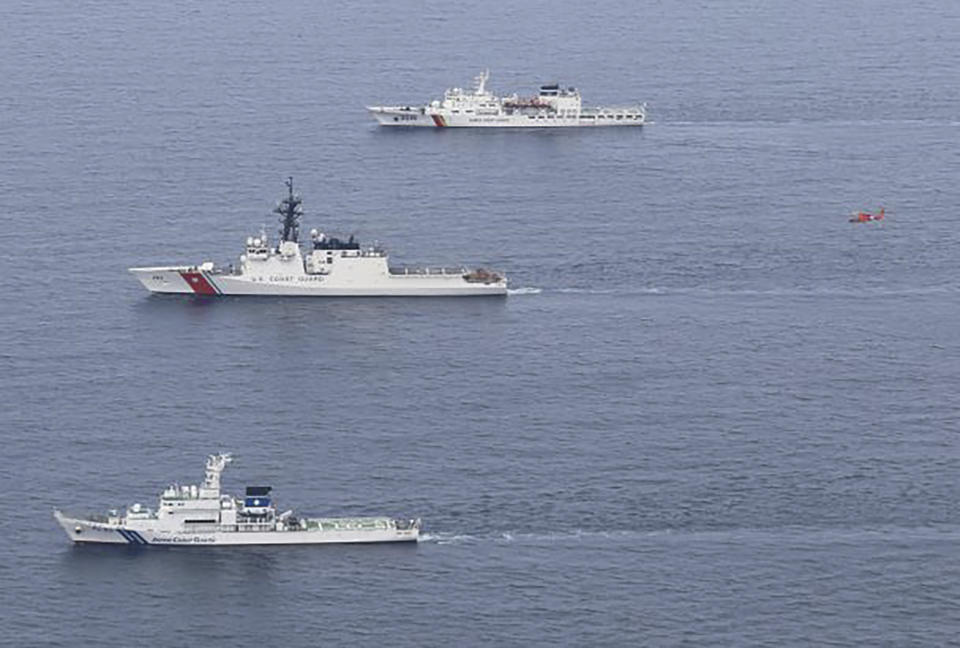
199	283
438	120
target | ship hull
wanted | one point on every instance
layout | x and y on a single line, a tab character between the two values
82	531
192	281
400	117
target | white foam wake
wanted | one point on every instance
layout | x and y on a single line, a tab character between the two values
865	292
526	290
652	290
449	538
511	537
742	534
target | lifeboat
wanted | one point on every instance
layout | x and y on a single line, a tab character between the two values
867	217
482	275
532	102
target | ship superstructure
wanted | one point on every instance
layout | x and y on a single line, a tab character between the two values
553	106
201	515
331	267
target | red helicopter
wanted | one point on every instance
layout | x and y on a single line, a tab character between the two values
867	217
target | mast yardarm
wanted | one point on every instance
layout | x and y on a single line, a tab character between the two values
290	210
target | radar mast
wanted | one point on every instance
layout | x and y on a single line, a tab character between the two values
290	210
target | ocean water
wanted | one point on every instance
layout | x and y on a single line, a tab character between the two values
711	412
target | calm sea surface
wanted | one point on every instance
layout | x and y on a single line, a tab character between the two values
712	412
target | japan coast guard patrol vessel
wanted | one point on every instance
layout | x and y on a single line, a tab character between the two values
552	107
334	267
203	516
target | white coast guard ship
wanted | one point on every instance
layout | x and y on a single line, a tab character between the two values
552	107
203	516
334	267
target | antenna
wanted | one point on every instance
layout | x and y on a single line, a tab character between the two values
290	210
215	465
481	80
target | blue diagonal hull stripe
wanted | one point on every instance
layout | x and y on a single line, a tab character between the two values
132	537
215	287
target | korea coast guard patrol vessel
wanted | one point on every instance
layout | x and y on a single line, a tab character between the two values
202	516
552	107
334	267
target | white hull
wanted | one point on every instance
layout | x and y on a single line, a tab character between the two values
187	280
400	117
89	532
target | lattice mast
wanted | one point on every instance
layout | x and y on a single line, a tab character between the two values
290	209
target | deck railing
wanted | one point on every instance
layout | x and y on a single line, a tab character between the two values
422	271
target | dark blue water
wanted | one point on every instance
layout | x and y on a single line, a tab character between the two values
713	412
